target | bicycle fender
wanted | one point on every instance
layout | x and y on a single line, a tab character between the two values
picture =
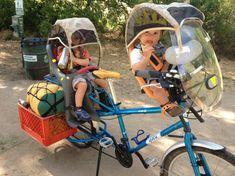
196	143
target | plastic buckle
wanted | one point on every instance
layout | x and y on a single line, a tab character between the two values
139	133
106	142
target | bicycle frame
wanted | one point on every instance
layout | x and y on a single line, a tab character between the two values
116	111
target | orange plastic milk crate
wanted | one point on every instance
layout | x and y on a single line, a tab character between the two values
45	130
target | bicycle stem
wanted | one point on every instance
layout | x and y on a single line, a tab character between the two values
188	144
185	124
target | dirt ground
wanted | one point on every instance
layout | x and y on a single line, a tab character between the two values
20	155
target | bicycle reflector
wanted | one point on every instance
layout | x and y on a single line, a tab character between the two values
211	82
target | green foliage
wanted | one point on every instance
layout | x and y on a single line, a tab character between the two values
111	15
7	10
220	23
107	15
40	15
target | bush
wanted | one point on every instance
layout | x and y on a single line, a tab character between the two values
7	10
220	23
111	15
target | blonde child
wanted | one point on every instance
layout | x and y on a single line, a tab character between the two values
140	59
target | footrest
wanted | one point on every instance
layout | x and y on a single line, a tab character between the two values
106	142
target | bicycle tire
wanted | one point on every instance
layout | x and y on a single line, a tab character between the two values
82	135
217	160
81	144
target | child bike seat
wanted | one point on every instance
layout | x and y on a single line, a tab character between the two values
69	94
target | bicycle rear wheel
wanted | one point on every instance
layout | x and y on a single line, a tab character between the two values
85	132
220	162
78	136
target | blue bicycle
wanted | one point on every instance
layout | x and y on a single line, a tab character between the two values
196	80
189	157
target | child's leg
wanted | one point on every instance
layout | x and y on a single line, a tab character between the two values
81	88
101	82
161	95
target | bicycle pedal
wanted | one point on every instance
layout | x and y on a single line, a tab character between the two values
151	161
106	142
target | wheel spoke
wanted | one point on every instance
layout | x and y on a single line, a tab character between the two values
219	162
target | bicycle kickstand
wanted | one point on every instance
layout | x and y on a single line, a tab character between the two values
98	161
104	143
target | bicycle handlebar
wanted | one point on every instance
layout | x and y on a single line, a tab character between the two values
196	115
155	74
148	74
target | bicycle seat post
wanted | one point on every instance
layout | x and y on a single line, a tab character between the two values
111	87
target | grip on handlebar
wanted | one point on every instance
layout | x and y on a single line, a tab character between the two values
148	74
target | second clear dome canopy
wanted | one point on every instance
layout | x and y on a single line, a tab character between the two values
187	47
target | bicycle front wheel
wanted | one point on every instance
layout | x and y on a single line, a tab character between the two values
220	162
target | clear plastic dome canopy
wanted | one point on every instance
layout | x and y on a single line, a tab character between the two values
187	45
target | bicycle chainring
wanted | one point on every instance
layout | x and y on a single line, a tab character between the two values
122	155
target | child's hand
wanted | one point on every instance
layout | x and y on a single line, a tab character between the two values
83	62
76	61
147	51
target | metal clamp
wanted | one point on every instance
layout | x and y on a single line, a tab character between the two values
139	133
